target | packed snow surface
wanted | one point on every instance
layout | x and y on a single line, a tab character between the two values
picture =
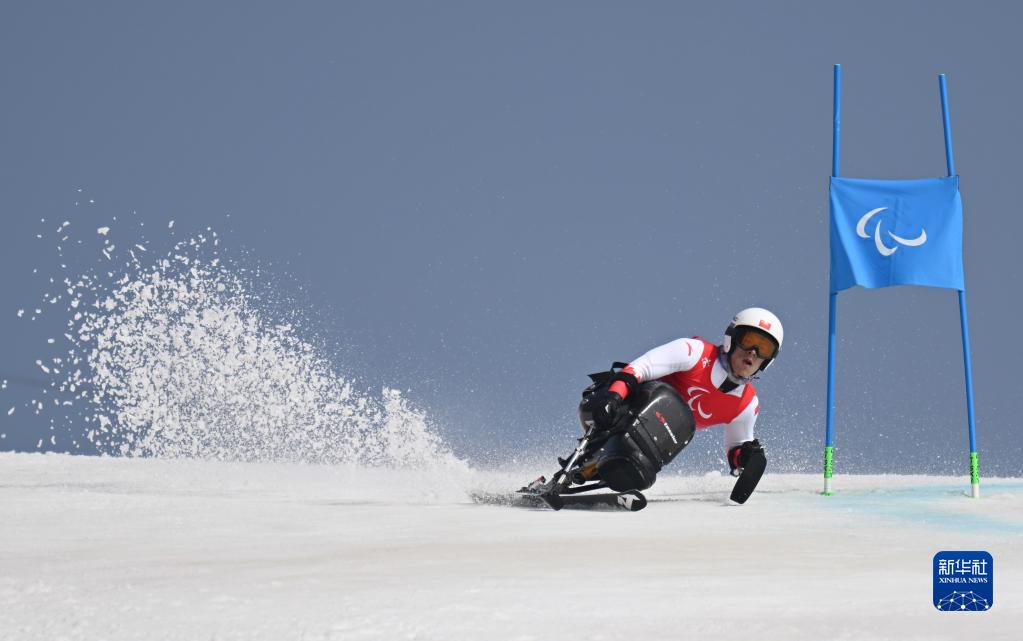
131	548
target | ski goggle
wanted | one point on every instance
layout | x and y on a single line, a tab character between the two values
759	343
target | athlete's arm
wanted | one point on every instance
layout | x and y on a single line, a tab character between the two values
740	429
677	356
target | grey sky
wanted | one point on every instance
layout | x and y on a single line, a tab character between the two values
484	201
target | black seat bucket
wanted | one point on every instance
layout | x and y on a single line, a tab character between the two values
659	426
663	422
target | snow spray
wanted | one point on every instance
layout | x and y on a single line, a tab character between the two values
173	355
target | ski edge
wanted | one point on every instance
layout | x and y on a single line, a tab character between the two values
631	501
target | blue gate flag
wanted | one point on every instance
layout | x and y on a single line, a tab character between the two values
896	232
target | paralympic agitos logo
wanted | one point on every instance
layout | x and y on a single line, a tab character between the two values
884	250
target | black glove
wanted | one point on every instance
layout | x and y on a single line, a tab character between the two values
739	455
606	411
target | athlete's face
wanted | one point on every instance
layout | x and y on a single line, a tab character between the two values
745	362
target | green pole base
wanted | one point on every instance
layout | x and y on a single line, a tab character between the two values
829	459
974	476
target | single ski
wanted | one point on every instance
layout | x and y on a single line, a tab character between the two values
631	501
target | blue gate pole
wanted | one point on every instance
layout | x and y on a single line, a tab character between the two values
829	449
963	322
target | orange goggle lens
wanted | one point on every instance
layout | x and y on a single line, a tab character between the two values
760	343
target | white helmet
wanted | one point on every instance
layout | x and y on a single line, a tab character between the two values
758	319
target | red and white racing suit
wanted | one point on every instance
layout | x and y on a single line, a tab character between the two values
691	366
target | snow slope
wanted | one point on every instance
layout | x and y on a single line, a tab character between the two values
118	548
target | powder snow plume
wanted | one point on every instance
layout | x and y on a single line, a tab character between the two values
176	357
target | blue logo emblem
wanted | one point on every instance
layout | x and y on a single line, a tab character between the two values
963	581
